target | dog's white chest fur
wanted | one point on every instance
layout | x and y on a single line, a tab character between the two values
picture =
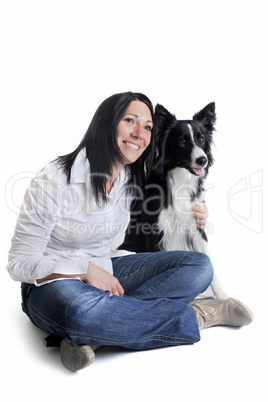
177	222
180	231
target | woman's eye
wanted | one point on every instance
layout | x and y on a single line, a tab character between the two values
129	120
148	128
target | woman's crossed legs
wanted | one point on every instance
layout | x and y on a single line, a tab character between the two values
153	312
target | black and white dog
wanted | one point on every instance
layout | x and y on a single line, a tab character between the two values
162	218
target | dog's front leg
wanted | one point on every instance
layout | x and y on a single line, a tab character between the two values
217	289
201	245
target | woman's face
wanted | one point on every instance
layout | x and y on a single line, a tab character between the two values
134	131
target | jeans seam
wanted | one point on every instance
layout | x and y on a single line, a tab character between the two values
163	338
161	256
156	285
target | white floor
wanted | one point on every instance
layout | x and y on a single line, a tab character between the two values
60	60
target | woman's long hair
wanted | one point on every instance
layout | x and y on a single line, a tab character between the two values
102	150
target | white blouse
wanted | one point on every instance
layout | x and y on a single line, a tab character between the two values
61	229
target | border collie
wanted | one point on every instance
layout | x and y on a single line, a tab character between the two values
163	217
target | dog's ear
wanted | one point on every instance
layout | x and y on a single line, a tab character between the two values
207	116
162	116
162	121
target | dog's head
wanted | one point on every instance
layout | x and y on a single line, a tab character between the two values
185	143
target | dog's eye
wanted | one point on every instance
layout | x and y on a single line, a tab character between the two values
201	138
182	141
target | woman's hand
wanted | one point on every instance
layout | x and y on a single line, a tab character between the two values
201	212
102	279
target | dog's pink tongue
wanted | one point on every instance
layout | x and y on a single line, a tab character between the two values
198	171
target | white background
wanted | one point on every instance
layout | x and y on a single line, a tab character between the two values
59	61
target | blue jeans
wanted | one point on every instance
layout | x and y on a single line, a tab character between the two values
153	312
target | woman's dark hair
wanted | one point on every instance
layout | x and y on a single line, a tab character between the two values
102	150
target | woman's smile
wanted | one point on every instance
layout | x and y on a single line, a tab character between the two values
131	145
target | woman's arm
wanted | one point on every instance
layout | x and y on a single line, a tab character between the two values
95	276
39	213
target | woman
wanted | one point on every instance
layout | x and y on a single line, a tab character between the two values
73	284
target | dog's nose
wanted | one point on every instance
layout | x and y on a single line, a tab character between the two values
201	161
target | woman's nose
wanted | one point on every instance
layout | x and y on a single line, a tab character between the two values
137	132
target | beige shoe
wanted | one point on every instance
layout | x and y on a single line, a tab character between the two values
229	312
76	357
